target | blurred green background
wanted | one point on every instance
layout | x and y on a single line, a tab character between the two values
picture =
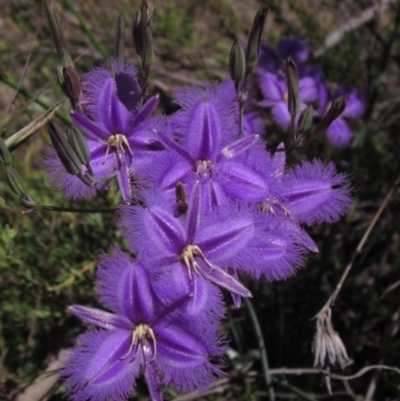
48	259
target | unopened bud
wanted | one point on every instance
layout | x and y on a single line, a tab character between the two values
148	52
293	87
119	47
15	181
253	45
136	33
71	85
79	145
68	157
305	120
65	58
27	201
237	64
5	155
336	109
2	203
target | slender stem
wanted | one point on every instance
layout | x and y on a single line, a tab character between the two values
86	29
294	390
33	97
57	209
360	246
74	210
240	119
263	350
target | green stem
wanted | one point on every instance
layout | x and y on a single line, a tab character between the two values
86	29
74	210
31	96
263	350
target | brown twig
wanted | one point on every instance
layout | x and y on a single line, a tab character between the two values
359	248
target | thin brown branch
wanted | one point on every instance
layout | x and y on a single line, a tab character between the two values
359	248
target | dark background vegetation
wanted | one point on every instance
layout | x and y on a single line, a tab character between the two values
47	259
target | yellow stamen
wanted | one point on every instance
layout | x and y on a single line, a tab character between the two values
188	254
119	142
141	331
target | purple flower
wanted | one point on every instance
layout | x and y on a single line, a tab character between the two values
166	345
203	249
339	133
203	144
275	92
269	59
115	126
310	192
297	49
273	61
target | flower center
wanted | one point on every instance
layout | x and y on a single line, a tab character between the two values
203	166
270	204
141	331
187	256
119	142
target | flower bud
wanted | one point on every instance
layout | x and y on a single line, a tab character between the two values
148	51
119	47
65	58
71	85
237	64
2	203
15	181
68	157
27	201
336	109
305	120
292	76
79	145
136	32
5	155
253	45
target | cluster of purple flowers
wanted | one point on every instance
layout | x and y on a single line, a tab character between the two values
312	89
203	205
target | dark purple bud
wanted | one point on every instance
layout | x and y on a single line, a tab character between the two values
253	45
336	109
68	157
71	86
27	201
136	32
5	155
237	64
181	200
65	58
292	76
305	120
119	48
79	145
15	181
